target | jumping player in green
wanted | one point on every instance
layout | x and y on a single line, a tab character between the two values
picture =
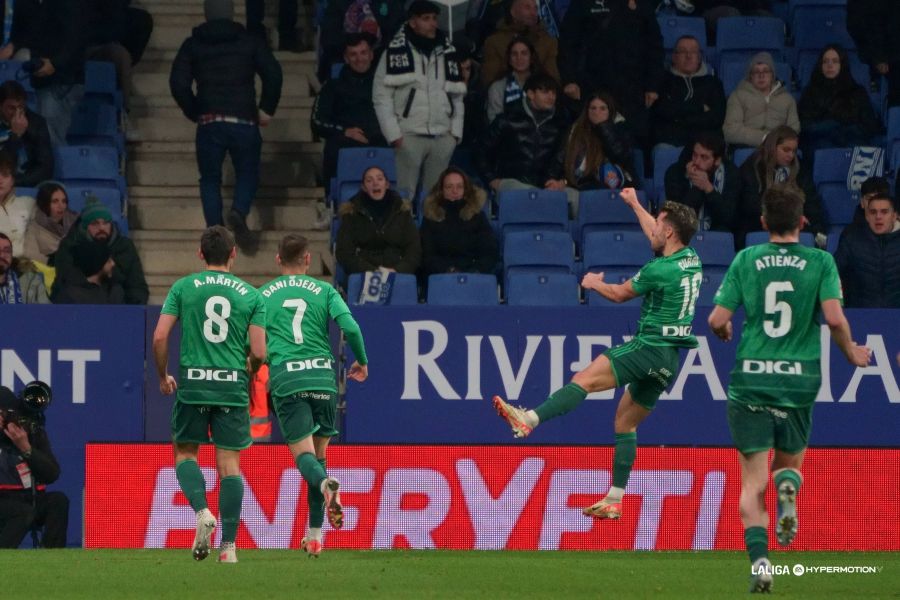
782	286
301	374
648	363
221	316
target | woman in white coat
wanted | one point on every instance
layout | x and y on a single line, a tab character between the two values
759	104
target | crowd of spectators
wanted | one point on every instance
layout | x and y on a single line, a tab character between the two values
514	98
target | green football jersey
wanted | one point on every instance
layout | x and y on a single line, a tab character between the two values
216	310
781	287
297	311
670	286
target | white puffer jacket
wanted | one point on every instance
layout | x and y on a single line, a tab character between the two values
751	115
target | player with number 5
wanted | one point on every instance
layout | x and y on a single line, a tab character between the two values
670	285
783	287
221	316
302	377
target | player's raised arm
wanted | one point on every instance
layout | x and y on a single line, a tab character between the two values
840	333
720	323
615	292
359	371
647	221
257	347
164	327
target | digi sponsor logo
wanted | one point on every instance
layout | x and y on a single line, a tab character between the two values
778	367
225	375
677	330
309	363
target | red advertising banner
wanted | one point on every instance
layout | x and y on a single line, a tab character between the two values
495	497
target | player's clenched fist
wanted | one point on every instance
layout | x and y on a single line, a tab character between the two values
860	355
629	196
168	386
590	281
358	372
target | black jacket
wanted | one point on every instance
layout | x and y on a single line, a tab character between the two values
874	25
390	15
347	102
848	106
128	273
55	30
224	59
688	106
35	142
43	465
750	206
604	44
365	242
517	146
869	266
720	207
85	292
458	244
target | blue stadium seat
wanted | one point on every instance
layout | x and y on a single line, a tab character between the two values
100	84
352	162
463	289
708	286
742	154
806	63
617	276
834	238
742	37
96	124
731	72
831	165
715	248
762	237
545	251
542	289
603	210
673	27
110	197
603	249
663	158
818	28
893	137
839	203
26	191
96	166
404	293
533	210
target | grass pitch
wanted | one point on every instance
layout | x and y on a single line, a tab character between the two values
261	574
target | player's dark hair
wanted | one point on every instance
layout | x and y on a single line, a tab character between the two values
782	207
293	248
683	220
8	163
12	90
216	245
712	141
543	82
351	40
875	185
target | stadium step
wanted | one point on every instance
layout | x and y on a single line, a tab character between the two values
181	169
185	214
157	84
284	128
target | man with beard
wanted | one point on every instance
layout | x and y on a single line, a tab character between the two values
26	287
94	261
96	224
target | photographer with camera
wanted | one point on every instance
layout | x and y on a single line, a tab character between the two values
27	465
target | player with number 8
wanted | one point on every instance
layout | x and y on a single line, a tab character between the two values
648	363
221	315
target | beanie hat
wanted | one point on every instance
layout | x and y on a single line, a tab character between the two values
763	58
422	7
93	210
218	9
90	256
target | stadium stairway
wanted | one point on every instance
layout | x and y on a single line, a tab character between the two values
164	213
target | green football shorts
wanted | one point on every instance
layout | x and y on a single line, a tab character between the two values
756	428
648	370
228	427
306	413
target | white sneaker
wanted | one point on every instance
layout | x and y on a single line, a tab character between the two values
227	553
206	522
761	577
332	495
786	524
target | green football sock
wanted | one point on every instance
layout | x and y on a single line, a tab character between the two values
791	475
561	401
231	495
623	458
191	482
757	541
316	502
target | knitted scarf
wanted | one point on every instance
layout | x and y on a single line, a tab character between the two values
11	291
512	91
401	66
